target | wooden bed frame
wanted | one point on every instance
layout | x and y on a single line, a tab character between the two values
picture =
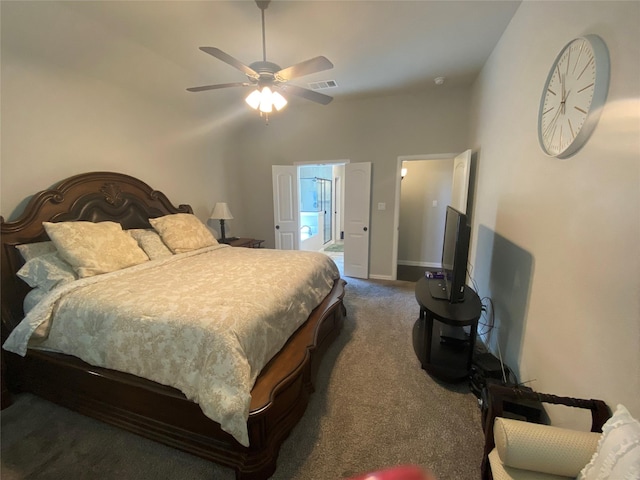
279	396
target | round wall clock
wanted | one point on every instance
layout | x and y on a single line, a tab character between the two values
573	96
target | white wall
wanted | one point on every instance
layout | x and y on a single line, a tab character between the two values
555	242
376	130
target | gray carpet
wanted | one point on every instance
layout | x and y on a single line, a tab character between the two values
373	407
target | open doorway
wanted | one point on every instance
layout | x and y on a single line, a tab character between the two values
425	191
321	209
425	185
352	211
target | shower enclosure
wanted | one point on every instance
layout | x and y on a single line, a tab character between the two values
315	211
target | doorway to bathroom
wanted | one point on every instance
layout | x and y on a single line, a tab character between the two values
320	207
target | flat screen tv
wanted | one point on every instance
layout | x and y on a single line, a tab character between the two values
455	253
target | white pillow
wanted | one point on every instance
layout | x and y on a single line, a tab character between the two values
33	250
32	298
618	453
183	232
150	242
46	272
94	248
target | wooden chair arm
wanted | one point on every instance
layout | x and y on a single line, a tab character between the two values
498	395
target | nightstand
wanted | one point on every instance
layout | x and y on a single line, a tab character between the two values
244	242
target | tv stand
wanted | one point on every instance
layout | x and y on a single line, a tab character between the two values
437	288
453	335
440	340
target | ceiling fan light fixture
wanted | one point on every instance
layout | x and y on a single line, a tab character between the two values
253	99
266	103
263	74
278	101
265	100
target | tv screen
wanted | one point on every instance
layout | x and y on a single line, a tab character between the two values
455	252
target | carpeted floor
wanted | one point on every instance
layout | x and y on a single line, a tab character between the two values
373	407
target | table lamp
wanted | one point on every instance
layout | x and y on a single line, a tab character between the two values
221	212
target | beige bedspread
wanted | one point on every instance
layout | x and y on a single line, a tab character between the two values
204	322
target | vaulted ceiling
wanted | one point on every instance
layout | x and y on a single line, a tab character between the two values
377	47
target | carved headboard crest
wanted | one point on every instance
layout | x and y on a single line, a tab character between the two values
112	194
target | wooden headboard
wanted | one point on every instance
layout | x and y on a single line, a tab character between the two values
95	197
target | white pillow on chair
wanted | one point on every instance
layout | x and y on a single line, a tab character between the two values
618	454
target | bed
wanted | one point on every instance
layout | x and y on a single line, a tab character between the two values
277	399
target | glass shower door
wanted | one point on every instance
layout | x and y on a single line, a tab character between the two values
327	207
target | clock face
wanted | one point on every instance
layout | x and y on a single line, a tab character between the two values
573	95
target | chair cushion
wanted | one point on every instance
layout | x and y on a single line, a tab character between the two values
543	448
499	471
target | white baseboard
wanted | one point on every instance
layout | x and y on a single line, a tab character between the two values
412	263
381	277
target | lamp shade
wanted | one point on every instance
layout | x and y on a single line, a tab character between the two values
221	212
265	100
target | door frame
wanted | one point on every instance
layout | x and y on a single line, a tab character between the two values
396	212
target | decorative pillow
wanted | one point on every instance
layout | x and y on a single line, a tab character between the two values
46	272
150	242
618	453
183	232
94	248
33	250
543	448
32	298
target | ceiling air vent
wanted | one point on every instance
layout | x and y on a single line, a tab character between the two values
322	85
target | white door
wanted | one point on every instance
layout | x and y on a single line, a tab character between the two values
357	210
337	208
460	185
285	207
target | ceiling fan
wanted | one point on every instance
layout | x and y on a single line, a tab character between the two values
268	79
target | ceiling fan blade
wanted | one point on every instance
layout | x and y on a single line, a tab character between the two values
220	85
313	65
308	94
225	57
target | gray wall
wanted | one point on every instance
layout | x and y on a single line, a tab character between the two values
59	119
555	242
376	130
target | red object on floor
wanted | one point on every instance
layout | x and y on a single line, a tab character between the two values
406	472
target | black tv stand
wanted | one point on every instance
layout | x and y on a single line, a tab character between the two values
453	335
447	357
